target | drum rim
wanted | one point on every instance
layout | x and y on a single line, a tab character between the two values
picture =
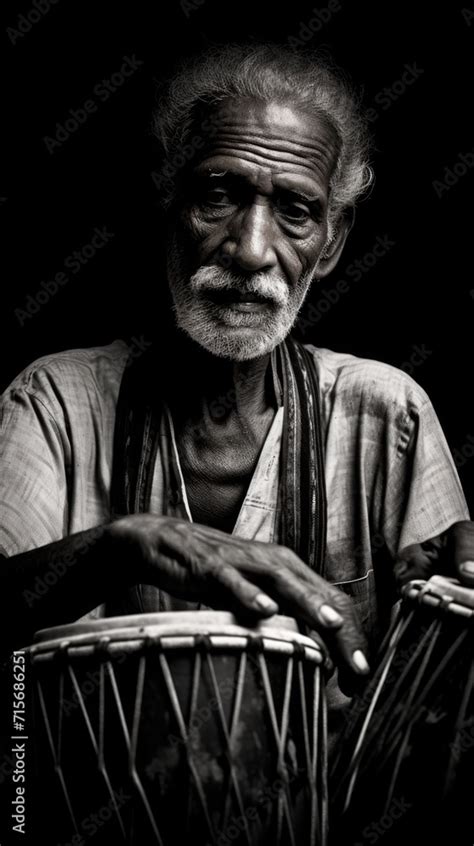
175	629
441	592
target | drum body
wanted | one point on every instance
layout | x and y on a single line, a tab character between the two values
179	728
406	762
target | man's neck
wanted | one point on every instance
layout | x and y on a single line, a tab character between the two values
204	385
222	412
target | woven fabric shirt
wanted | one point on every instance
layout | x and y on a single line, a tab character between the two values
390	478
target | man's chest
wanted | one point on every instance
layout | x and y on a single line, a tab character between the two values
217	467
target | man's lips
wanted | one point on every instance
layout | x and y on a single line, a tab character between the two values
234	297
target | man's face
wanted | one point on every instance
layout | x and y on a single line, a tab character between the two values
251	227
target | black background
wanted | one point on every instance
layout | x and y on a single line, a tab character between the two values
419	294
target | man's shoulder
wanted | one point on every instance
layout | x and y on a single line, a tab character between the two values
73	372
371	384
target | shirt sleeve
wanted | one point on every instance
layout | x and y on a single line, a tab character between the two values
423	497
33	478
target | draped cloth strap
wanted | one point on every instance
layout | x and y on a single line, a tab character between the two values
302	497
302	491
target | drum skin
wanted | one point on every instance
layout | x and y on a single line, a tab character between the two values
405	769
179	728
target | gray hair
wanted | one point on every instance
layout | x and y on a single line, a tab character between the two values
268	73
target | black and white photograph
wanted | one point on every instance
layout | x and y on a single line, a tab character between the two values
236	424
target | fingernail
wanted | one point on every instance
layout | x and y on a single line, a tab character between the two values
360	661
330	616
265	603
467	567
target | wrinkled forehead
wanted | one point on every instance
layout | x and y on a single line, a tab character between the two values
273	138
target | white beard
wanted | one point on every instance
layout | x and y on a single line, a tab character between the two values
227	333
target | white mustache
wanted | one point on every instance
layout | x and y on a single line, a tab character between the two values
268	285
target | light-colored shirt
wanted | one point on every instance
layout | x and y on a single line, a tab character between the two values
389	472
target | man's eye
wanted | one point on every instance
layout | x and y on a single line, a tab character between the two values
216	197
294	211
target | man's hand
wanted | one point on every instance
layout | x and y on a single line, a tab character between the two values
250	579
460	549
449	554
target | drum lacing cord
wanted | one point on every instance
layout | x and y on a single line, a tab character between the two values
388	651
234	723
417	705
458	726
372	689
384	725
430	637
375	688
102	651
256	648
205	647
130	740
318	753
60	658
444	605
157	644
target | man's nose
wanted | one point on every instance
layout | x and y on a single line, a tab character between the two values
251	239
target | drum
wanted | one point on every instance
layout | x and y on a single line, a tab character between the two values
179	728
406	761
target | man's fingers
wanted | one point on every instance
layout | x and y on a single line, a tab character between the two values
316	607
324	609
234	591
332	617
257	580
347	648
330	614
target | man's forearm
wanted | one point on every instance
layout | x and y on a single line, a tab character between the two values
54	584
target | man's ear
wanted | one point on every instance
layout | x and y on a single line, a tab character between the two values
334	247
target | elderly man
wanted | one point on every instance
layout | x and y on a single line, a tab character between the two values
229	466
